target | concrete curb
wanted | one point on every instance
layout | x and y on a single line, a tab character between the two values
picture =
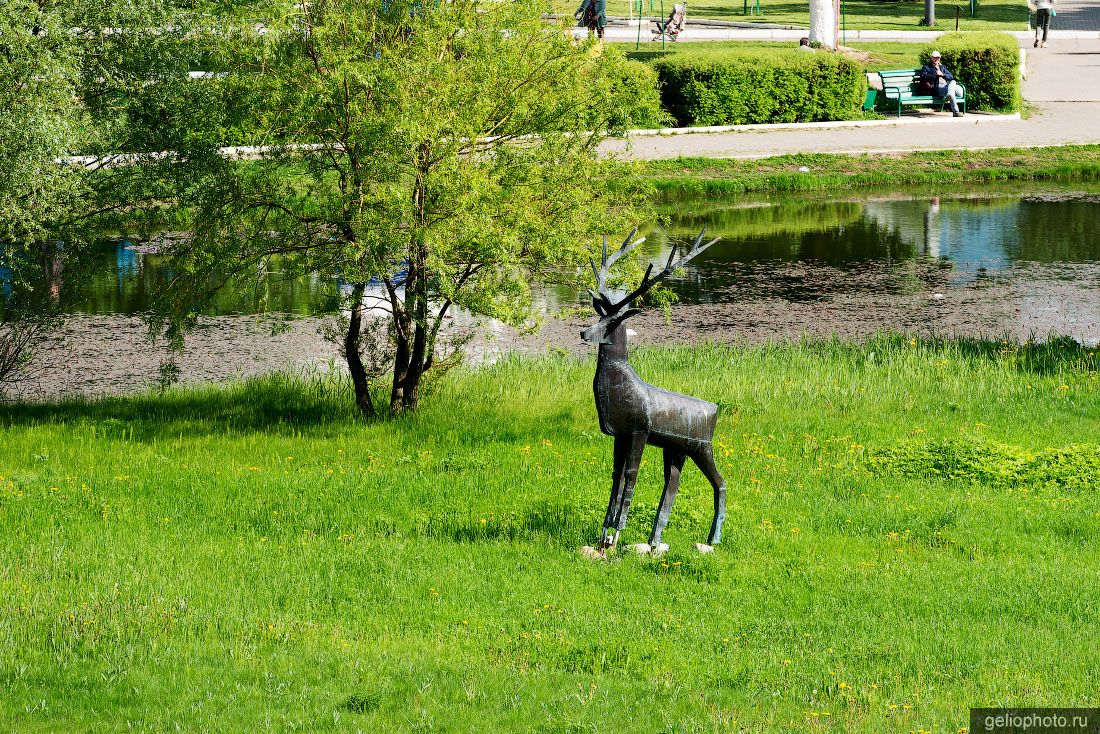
974	119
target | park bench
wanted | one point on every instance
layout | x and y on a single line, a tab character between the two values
902	87
671	27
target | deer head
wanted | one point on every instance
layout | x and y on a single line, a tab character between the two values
609	304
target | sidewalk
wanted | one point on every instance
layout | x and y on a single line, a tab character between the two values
1062	83
629	34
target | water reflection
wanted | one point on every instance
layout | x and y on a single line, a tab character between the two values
908	243
795	249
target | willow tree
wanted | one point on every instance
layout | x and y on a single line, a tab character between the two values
38	118
427	156
77	81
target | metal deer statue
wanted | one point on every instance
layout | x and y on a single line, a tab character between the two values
636	413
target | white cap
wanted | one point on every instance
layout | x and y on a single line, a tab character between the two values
935	54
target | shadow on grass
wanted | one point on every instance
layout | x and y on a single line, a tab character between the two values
1051	356
282	404
861	13
277	403
556	524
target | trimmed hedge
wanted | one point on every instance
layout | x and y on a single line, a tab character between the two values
733	87
641	108
987	63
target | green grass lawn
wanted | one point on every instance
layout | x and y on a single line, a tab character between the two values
913	530
873	55
991	15
1079	164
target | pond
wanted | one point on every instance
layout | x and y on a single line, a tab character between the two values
1035	252
990	261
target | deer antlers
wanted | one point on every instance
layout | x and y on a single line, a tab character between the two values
605	302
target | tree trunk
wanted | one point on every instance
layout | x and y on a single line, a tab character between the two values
410	361
405	394
352	345
823	23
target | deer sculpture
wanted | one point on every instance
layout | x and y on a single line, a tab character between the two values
635	413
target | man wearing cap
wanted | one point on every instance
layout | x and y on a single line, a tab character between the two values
937	79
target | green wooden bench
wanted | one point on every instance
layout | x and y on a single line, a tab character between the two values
902	88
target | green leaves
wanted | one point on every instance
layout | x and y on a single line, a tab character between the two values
731	87
453	159
987	63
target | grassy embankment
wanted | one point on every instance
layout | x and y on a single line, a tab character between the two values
912	531
873	55
829	172
992	15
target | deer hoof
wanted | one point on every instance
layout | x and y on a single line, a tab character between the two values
640	548
703	548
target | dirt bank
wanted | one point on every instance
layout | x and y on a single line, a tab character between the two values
112	354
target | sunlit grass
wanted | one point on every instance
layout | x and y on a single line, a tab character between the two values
990	15
1079	164
253	558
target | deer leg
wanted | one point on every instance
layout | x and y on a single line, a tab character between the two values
630	477
622	449
705	461
674	463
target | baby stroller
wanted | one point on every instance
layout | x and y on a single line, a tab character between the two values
671	28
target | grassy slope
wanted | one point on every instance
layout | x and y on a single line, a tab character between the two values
879	54
830	172
252	559
1000	15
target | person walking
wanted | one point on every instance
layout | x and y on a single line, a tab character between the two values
936	79
1044	9
592	14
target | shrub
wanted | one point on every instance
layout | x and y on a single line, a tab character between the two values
733	86
987	63
641	100
978	461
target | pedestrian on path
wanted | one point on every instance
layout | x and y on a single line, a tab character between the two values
937	79
1044	10
592	14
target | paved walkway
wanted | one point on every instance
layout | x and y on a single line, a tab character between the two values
1063	84
1076	15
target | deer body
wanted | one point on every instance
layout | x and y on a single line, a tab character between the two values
626	404
636	413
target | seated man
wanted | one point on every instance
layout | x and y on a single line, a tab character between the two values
804	45
937	79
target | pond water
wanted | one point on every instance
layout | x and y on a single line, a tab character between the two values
1040	249
990	262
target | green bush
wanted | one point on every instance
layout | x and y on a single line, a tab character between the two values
641	105
732	87
987	63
